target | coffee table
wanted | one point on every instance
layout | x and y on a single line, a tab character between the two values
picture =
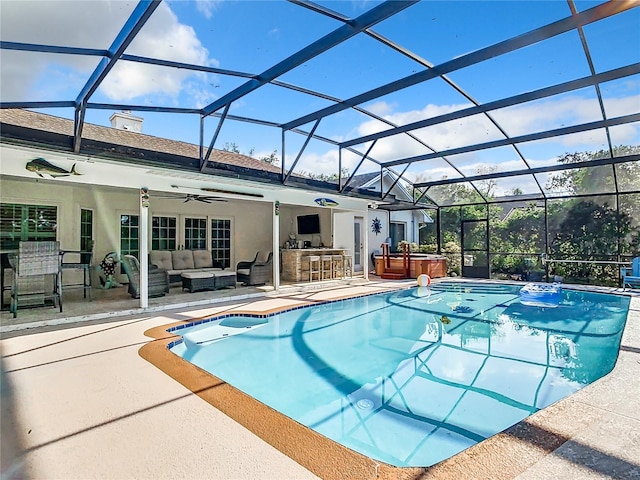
196	281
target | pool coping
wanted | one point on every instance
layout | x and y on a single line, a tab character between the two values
504	455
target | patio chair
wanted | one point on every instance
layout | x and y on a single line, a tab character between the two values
158	283
85	264
254	272
37	272
631	276
243	268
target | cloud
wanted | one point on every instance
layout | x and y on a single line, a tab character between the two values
206	7
162	37
326	163
518	120
380	108
66	23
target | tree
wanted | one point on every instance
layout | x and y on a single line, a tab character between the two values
272	158
231	147
580	227
487	187
327	178
585	229
580	181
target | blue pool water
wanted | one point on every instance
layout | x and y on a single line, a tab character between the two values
413	377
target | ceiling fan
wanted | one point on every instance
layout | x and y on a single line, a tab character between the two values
218	190
189	197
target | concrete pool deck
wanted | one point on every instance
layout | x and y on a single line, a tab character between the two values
86	405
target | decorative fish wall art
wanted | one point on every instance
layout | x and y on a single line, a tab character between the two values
41	167
326	202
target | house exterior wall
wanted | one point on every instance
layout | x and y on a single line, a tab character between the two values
288	224
344	237
410	218
251	221
376	240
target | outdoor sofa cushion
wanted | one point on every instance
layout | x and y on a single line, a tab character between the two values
182	260
161	259
177	262
202	259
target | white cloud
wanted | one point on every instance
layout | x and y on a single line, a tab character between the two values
326	162
380	108
162	37
522	119
519	120
96	24
206	7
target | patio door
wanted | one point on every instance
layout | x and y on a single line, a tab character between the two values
358	245
201	233
475	248
195	233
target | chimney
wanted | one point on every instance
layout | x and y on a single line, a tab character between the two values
125	121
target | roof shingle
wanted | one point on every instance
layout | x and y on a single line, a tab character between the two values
63	126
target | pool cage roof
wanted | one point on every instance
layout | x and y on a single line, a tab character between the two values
492	99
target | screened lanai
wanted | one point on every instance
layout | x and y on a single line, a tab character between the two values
516	123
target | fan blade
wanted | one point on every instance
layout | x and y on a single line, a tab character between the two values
211	199
188	197
218	190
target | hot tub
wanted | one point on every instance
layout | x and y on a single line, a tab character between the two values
433	265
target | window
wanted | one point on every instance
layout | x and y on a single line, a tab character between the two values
221	241
163	233
396	230
129	235
195	233
26	223
86	230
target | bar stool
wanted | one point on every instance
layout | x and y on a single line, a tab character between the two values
337	266
326	262
314	267
347	265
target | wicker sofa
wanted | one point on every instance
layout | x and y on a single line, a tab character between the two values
177	262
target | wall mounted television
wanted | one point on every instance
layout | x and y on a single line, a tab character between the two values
308	224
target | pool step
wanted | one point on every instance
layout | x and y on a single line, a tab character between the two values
473	288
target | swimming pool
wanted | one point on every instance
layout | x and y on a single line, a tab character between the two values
413	377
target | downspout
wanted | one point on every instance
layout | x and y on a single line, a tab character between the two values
276	245
144	247
365	234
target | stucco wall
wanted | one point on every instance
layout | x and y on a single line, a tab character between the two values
288	224
251	221
376	240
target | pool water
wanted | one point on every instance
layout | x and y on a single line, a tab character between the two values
415	376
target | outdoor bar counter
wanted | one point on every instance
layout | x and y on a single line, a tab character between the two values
433	265
295	265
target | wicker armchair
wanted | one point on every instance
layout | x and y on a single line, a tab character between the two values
158	283
254	272
37	272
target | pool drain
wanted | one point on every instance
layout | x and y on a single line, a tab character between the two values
364	403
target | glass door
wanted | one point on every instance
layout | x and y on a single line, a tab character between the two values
357	243
475	248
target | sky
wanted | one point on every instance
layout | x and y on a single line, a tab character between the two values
251	36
